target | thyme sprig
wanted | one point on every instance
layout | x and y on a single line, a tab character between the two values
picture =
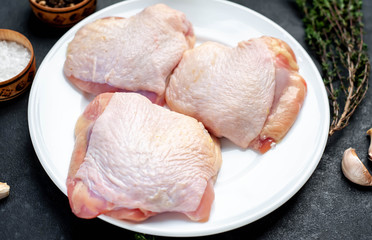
334	30
141	236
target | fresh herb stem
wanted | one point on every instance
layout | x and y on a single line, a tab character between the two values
140	236
334	30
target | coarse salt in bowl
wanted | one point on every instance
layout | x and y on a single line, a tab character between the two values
17	64
14	57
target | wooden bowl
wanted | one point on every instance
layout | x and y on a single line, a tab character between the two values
63	17
18	84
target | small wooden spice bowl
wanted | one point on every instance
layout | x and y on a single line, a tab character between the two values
63	17
18	84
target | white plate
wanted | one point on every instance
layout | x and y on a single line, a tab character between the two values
249	185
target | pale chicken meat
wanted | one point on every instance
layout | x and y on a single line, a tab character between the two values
230	90
134	159
250	94
135	54
290	93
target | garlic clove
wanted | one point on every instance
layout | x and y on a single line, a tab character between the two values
4	190
369	132
354	169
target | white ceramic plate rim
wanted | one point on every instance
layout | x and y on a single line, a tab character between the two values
223	16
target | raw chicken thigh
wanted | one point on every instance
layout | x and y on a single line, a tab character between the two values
134	159
134	54
250	94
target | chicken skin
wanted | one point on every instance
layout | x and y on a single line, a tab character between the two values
135	54
134	159
230	90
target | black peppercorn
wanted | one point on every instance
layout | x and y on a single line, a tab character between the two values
58	3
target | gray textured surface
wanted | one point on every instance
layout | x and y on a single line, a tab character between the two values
327	207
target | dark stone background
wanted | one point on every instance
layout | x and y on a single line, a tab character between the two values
327	207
